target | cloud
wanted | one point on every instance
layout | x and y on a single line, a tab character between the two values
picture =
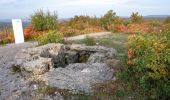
69	8
89	2
7	1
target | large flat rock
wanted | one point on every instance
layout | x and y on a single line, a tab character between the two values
78	77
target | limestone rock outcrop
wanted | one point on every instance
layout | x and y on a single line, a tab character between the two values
73	67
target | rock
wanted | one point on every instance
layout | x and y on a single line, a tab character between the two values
109	51
97	58
78	77
71	57
73	67
59	60
40	59
39	66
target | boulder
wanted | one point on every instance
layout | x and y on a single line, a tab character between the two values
73	67
97	58
39	66
38	60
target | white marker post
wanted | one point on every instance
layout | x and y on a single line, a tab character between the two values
18	30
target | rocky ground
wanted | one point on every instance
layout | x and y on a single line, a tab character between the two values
10	82
13	86
43	70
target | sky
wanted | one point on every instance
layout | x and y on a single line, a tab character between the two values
68	8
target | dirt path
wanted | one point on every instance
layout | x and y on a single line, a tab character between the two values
80	37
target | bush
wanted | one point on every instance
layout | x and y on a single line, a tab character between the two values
6	38
120	28
149	63
31	34
28	31
6	35
109	19
50	37
138	28
136	18
44	20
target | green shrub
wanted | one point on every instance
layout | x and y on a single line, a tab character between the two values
136	18
89	41
44	20
110	18
50	37
149	64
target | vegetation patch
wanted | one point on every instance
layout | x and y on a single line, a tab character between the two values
50	37
44	20
149	64
89	41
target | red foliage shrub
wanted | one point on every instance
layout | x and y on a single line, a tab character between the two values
28	31
120	28
6	38
138	28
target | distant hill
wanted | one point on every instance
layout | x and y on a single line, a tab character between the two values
151	17
8	23
157	16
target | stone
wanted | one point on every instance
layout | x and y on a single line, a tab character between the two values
71	57
39	66
72	67
78	77
40	59
97	58
109	51
59	60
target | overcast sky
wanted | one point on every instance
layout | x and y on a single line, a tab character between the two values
68	8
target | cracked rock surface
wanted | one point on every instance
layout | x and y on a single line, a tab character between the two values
13	86
9	82
72	67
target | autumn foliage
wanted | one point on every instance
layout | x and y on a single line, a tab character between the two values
42	22
6	36
149	63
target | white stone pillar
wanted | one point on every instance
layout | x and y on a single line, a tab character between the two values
18	30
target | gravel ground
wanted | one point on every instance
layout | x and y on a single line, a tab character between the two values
10	82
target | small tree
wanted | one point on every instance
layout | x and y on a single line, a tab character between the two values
44	20
108	19
136	18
